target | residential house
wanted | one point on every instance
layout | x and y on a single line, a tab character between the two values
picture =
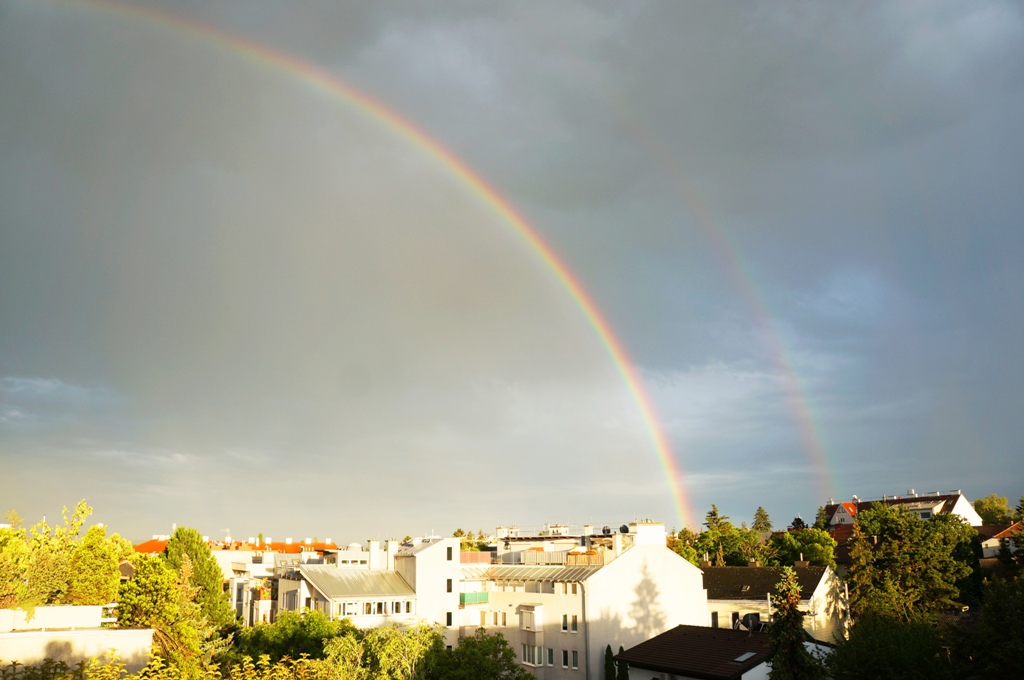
700	652
736	594
993	538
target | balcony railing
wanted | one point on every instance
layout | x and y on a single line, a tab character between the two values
472	598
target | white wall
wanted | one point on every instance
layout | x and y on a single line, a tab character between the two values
643	593
133	647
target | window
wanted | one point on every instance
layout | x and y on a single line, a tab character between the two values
533	655
551	657
526	621
449	585
503	620
565	623
448	619
565	658
575	659
449	553
574	585
408	607
714	619
575	624
483	619
495	618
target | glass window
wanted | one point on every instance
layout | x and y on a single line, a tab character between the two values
551	656
565	658
448	619
575	624
565	622
449	585
575	659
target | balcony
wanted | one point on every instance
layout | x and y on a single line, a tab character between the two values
472	598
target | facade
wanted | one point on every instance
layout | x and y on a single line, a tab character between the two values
993	539
737	592
925	505
558	596
560	608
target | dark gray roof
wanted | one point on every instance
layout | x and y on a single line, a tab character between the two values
755	583
337	583
699	652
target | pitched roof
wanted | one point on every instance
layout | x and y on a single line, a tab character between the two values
152	546
337	583
943	504
754	583
699	652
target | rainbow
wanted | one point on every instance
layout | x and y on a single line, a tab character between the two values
327	83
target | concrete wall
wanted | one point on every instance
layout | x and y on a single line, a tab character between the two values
643	593
133	647
68	616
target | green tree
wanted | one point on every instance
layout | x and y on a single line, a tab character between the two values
798	523
762	522
14	556
821	519
344	655
902	565
150	599
715	521
206	573
476	657
622	667
1018	512
94	574
395	654
787	655
881	646
994	510
814	545
51	552
609	663
995	643
292	635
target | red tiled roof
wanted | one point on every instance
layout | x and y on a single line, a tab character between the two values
156	545
152	546
699	652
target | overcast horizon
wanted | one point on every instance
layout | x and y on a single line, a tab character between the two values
234	299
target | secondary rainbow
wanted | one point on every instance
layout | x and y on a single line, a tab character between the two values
324	81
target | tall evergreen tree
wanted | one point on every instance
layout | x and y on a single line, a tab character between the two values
206	574
622	667
762	522
609	663
788	656
821	519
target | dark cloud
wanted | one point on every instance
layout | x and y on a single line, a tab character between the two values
790	213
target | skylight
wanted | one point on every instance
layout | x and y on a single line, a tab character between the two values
743	657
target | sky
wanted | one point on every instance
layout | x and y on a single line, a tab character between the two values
259	273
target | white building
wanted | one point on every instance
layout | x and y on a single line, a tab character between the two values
558	596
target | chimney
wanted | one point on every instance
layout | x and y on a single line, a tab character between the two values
754	563
801	564
268	540
252	540
617	544
704	564
288	541
391	549
374	561
328	540
309	541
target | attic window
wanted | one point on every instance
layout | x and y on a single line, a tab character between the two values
743	657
